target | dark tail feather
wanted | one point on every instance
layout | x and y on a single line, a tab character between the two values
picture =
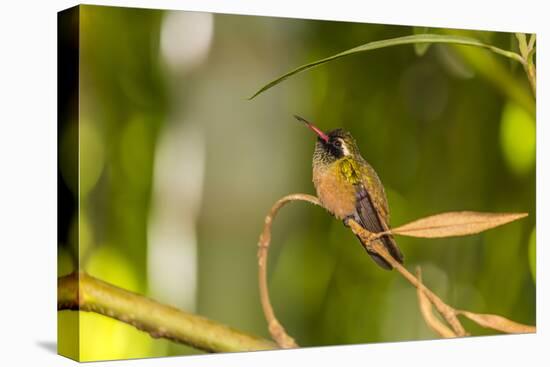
392	248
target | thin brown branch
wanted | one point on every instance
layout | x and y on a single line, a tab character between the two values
276	330
448	313
82	292
426	309
426	297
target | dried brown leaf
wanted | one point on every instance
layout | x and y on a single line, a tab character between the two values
453	224
498	323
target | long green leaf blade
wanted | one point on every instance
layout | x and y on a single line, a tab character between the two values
413	39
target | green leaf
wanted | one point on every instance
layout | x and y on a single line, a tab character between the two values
420	48
532	48
522	43
417	38
532	40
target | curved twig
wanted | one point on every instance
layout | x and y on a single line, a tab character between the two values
276	330
426	309
425	295
445	310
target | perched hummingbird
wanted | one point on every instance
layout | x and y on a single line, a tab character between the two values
349	188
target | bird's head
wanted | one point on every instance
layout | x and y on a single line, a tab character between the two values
333	145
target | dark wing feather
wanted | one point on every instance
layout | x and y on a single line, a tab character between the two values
370	219
366	211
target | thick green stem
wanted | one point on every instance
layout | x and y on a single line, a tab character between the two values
527	50
79	291
532	75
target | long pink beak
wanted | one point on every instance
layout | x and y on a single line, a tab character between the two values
315	129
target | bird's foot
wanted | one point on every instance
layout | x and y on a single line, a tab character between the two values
347	219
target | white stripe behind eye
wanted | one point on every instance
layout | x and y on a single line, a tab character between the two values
345	149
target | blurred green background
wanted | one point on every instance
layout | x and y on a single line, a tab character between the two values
178	169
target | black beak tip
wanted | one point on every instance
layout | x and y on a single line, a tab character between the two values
301	119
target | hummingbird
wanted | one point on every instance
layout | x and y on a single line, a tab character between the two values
349	188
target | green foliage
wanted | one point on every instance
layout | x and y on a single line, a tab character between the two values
437	141
414	39
517	136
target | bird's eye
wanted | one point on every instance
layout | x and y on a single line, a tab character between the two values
338	143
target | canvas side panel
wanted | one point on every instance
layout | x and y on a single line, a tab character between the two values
68	46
